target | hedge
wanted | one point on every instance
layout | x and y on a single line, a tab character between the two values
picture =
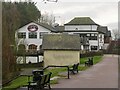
91	54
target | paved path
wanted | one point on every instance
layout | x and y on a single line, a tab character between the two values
101	75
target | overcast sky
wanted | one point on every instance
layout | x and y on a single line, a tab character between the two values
102	12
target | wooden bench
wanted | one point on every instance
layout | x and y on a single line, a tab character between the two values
39	82
58	66
89	62
74	68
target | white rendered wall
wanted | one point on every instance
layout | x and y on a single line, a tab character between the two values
27	41
101	41
93	42
80	27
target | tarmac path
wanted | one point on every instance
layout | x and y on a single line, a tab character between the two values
102	75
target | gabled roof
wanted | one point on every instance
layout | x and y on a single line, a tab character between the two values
109	33
61	42
43	25
81	21
104	30
46	26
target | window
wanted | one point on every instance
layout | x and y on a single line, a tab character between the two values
21	35
92	34
93	37
100	38
42	33
95	34
32	35
93	47
88	34
32	48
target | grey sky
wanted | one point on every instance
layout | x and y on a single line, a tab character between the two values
103	13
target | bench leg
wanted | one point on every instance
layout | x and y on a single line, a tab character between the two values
77	70
73	72
49	86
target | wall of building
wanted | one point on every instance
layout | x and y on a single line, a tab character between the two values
80	27
101	41
54	57
27	41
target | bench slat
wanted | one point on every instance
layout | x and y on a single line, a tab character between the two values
43	81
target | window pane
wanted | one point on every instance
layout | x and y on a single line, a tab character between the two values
93	47
93	38
21	35
95	34
32	35
92	34
88	34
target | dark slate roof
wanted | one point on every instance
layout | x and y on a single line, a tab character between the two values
86	31
59	28
104	29
109	33
46	26
61	42
81	21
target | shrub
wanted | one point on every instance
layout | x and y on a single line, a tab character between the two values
91	54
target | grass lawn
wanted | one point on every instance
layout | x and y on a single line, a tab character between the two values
22	80
96	59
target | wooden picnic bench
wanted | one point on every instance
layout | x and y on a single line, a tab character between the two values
89	62
74	68
39	81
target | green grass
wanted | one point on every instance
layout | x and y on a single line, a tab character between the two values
22	80
96	59
55	71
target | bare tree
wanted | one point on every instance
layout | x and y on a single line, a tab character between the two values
47	18
116	33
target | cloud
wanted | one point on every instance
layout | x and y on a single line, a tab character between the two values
102	13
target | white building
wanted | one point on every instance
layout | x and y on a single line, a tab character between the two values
30	36
92	36
29	39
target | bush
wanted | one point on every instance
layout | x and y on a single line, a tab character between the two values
91	54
